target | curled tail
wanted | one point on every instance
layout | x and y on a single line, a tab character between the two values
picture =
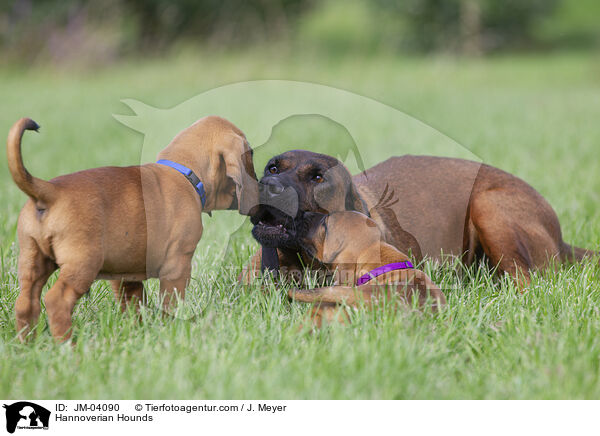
39	190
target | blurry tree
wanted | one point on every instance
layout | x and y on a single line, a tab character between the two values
469	26
342	27
98	31
57	31
52	29
574	24
160	22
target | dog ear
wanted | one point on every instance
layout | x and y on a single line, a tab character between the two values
311	239
313	219
240	168
354	201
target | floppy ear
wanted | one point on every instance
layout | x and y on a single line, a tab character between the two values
310	239
240	168
313	219
354	201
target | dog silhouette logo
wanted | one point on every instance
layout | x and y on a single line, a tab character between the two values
26	415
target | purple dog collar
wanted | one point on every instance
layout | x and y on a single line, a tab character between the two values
382	270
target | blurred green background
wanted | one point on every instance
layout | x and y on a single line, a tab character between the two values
89	32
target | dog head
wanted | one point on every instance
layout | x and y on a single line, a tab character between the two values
218	152
297	182
341	239
351	244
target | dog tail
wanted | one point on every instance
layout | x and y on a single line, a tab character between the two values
575	254
37	189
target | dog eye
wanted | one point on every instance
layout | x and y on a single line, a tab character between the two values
318	178
273	169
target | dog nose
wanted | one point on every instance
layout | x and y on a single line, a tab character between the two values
270	188
273	193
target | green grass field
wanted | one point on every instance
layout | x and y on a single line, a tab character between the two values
537	117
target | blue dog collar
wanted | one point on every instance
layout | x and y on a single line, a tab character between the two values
189	174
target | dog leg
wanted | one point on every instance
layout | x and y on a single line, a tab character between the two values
34	271
324	314
251	271
174	277
129	294
513	235
329	313
73	282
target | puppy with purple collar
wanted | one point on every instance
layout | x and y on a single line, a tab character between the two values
366	268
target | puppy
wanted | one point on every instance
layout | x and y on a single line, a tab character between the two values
366	267
124	224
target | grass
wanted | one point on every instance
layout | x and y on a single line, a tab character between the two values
536	117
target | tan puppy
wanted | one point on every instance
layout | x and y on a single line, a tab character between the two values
124	224
351	244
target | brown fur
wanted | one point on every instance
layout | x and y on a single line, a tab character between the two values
350	245
431	205
123	224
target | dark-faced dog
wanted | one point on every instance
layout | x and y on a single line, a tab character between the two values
366	268
424	205
124	224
